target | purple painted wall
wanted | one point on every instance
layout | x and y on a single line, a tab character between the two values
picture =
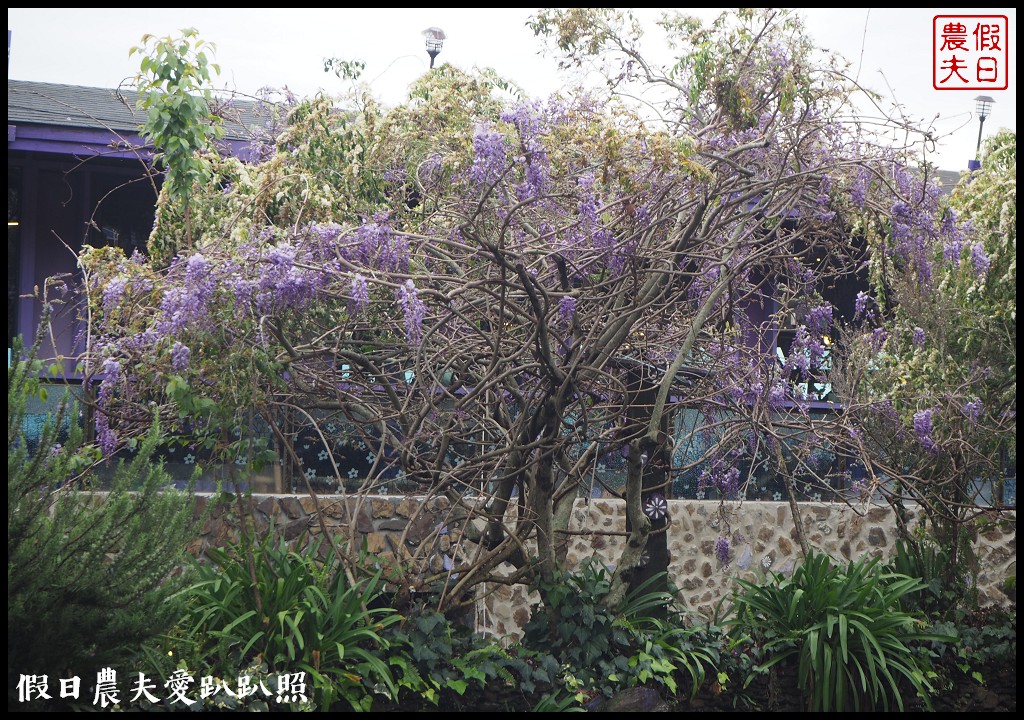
74	185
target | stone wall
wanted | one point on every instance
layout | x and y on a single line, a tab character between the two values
761	537
391	527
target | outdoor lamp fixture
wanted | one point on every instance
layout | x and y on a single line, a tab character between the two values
435	39
983	106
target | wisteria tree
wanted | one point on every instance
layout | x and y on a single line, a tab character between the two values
498	295
931	375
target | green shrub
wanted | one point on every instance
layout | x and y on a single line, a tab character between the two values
89	576
852	643
985	641
607	649
449	667
927	560
301	614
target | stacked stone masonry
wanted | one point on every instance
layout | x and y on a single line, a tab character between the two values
761	536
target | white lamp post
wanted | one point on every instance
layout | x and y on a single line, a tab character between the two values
983	106
435	39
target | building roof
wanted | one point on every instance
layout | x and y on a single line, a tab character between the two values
70	106
947	180
51	117
113	110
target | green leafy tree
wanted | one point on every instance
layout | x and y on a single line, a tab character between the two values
89	565
932	366
987	200
174	95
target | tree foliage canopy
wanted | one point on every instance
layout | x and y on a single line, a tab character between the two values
497	294
932	363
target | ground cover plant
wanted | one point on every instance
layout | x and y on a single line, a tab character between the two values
644	641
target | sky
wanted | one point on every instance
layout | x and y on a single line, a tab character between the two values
892	51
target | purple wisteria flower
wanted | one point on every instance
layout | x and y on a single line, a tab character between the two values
588	202
322	241
142	342
729	483
197	269
923	429
953	250
111	371
901	215
819	319
860	306
953	235
982	262
112	293
381	247
180	355
360	294
656	507
885	411
878	338
489	155
918	338
283	282
778	60
621	255
535	178
566	310
414	310
282	256
972	409
590	233
912	218
725	479
702	285
823	200
105	436
722	550
187	302
747	394
777	395
859	189
799	357
527	119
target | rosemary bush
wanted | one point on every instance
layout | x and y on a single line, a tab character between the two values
90	575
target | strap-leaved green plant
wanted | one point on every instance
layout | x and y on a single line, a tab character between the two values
844	629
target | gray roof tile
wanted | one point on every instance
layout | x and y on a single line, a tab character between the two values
95	108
